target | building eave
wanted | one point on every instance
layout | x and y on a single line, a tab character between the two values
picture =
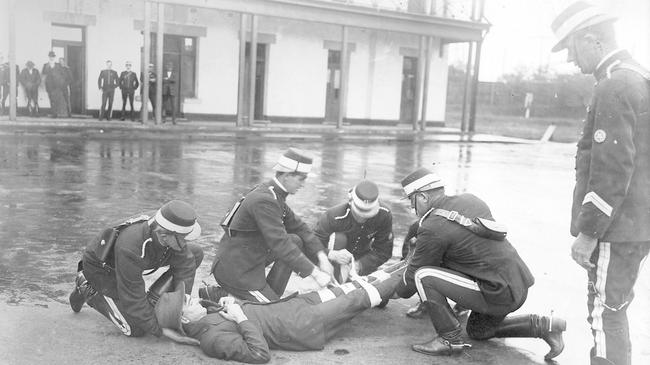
450	30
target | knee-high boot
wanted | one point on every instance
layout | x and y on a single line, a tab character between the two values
532	325
162	285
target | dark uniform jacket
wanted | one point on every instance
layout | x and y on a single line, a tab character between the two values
5	76
611	200
169	83
151	78
107	80
55	77
371	242
258	235
292	325
135	252
30	80
128	81
500	273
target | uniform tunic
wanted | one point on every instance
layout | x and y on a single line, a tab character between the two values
135	252
371	242
500	273
258	235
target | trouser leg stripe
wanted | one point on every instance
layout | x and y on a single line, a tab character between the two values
446	276
259	296
599	299
117	318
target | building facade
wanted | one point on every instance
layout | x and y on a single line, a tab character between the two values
394	70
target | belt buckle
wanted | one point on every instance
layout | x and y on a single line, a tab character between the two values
452	215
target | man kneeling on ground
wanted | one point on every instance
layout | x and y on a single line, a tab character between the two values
245	331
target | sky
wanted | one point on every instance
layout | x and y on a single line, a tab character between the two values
521	36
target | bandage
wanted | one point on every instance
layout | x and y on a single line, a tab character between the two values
373	293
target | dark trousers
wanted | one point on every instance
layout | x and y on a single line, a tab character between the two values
436	284
5	95
276	280
610	292
127	95
66	97
169	101
32	100
106	111
114	310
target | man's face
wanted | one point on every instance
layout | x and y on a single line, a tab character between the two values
418	203
109	64
52	59
128	67
357	218
175	241
170	67
294	182
583	52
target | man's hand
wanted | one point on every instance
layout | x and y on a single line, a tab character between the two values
321	277
177	337
233	312
582	249
341	257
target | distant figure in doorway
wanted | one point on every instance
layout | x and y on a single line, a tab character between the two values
30	78
152	78
107	82
169	90
5	81
55	81
128	84
68	84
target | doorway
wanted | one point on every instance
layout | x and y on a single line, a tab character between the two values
69	43
260	81
180	51
333	88
409	77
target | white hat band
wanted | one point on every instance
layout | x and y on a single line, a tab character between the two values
293	165
166	224
430	181
575	20
363	204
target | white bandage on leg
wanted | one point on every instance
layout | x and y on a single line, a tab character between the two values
347	287
326	295
373	293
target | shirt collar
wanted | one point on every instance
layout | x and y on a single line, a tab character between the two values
279	184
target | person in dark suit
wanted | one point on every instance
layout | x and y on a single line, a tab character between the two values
55	81
152	78
128	84
169	90
107	82
68	84
30	78
5	81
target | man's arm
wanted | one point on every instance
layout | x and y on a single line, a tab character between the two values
99	80
429	251
244	343
267	214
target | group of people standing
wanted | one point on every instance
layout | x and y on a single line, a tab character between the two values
128	83
57	78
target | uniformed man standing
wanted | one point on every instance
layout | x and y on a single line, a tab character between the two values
110	278
128	84
611	200
362	228
261	229
462	254
107	82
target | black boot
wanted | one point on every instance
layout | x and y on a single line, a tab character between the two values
162	285
449	340
81	294
531	325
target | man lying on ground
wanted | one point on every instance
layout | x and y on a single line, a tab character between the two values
245	331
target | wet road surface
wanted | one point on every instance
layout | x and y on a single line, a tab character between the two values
57	193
